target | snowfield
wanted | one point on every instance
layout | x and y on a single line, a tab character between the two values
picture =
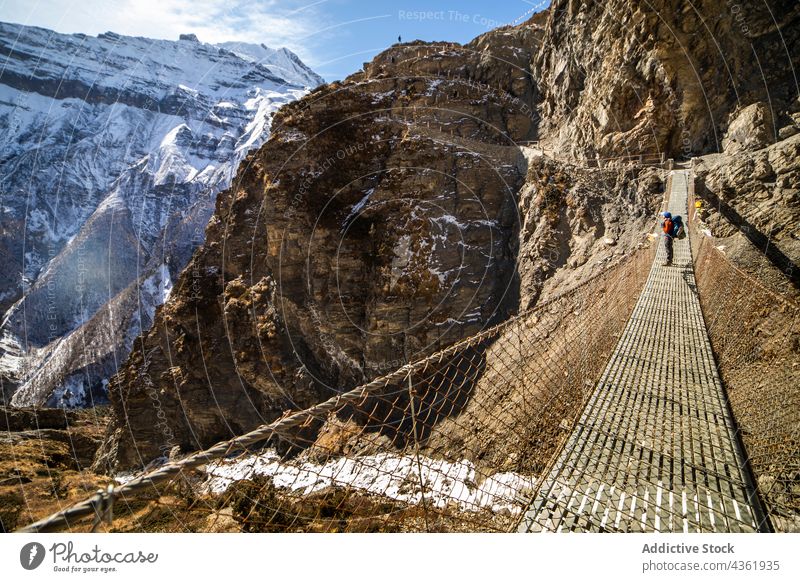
394	476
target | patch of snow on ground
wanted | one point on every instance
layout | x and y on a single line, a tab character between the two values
449	219
442	276
394	476
356	210
71	393
157	287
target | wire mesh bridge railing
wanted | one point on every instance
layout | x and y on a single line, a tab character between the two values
756	340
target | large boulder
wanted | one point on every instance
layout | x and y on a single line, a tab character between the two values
752	128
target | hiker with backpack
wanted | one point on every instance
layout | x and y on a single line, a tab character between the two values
673	228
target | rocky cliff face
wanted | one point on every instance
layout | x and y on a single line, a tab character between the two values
113	151
750	193
626	77
393	213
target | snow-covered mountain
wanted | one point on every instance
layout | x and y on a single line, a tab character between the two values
113	150
283	61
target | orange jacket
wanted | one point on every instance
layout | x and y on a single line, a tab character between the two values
667	224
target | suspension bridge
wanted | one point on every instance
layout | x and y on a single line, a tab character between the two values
648	398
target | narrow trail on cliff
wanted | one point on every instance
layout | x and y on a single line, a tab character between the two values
656	448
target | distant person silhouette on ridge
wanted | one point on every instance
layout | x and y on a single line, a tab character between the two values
667	225
399	39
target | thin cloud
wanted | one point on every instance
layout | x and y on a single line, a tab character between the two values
276	24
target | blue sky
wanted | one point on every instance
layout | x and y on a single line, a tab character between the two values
334	37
